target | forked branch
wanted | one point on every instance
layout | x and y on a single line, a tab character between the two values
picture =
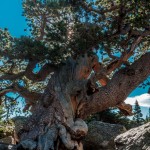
119	87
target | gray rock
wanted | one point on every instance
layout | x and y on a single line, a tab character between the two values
101	135
135	139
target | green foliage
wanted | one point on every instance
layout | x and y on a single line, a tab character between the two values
51	23
6	126
5	41
60	29
90	29
28	48
2	112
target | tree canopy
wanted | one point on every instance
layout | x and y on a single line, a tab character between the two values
82	57
117	31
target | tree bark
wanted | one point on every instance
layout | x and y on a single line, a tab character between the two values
119	87
56	122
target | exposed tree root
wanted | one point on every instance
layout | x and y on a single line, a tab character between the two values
49	131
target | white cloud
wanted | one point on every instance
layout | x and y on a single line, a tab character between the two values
144	100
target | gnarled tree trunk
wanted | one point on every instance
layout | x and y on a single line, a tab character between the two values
71	95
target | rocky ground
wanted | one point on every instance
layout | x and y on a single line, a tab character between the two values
134	139
105	136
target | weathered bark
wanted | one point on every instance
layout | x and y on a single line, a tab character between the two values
56	122
54	116
119	87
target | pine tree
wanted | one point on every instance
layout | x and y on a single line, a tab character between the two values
137	114
149	113
147	119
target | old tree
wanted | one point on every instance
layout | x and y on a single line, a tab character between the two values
82	57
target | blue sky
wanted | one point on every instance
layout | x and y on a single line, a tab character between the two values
11	18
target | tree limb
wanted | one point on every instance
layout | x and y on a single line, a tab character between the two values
12	76
32	97
42	74
140	33
119	87
125	56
